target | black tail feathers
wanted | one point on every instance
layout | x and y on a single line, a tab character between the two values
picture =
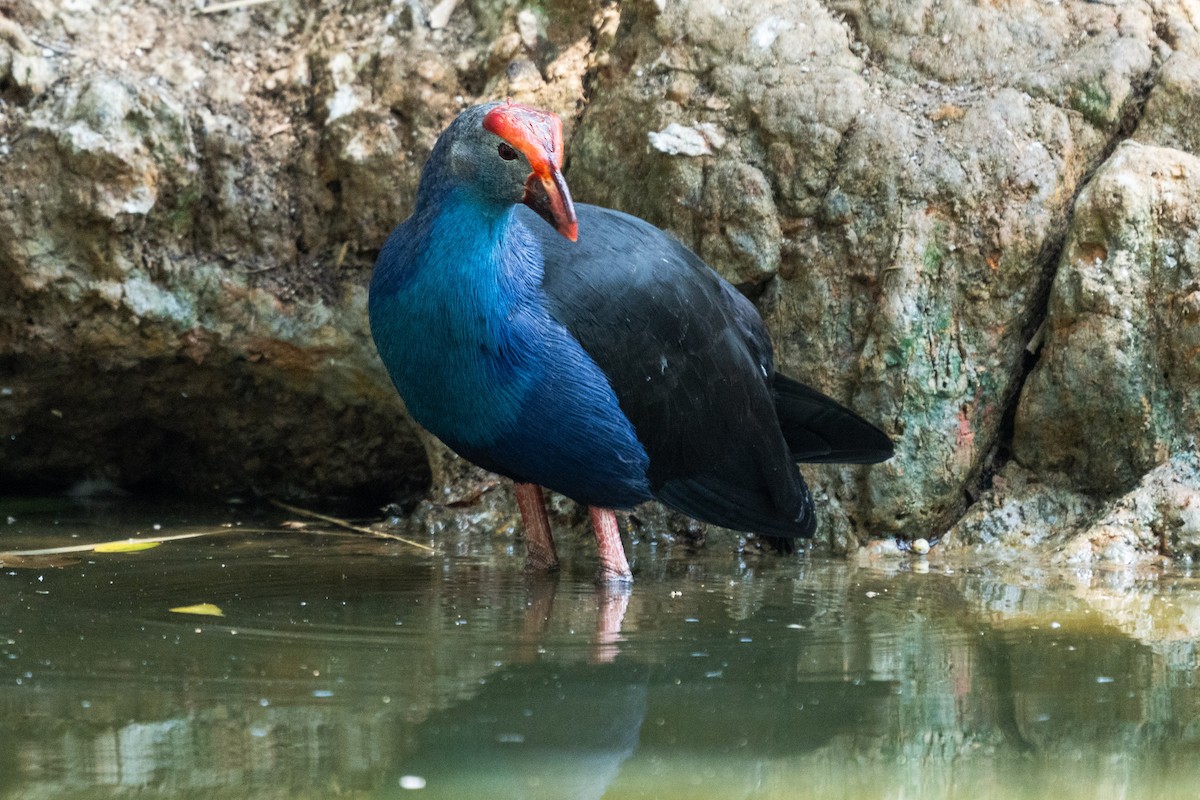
820	430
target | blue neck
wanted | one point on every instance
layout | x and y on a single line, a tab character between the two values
453	293
476	245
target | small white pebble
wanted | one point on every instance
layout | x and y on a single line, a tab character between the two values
872	594
412	782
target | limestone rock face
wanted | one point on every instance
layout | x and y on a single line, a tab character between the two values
925	200
24	72
1173	107
1117	388
1023	512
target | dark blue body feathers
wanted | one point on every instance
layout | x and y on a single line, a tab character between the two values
470	344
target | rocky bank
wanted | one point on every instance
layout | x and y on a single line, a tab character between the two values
976	223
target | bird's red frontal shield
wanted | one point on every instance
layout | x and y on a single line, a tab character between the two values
538	136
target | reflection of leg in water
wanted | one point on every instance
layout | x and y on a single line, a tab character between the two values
611	602
535	622
614	601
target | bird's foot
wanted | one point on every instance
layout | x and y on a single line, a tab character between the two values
610	579
540	561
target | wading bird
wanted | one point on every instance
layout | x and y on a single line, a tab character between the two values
587	351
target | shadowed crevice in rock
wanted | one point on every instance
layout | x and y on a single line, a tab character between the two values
850	13
147	427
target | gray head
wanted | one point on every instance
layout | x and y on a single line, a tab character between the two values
507	153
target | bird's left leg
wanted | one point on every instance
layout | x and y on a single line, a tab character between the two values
613	564
539	543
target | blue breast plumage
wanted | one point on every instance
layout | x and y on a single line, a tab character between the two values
459	318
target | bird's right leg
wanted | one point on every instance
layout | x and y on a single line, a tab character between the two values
613	564
539	544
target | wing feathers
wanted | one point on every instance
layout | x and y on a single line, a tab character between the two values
690	362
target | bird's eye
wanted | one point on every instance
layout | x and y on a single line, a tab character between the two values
506	151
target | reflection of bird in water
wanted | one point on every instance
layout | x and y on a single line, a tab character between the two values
545	730
538	729
746	715
567	730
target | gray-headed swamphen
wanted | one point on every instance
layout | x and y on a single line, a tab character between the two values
585	350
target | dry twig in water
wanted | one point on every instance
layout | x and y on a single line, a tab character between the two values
348	525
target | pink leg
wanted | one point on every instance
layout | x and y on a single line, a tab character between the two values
613	566
539	544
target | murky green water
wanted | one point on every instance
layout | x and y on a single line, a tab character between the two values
346	667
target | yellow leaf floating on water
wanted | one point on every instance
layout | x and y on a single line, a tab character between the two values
125	546
203	609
